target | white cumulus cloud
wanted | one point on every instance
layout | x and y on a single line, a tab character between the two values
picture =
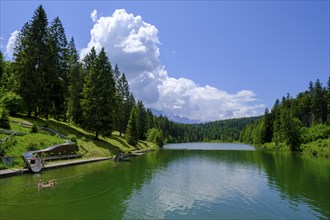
11	44
134	45
94	15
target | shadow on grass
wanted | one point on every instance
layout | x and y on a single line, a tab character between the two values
121	141
81	134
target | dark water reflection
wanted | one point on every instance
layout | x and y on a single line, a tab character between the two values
219	184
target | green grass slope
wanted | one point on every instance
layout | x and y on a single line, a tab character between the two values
87	145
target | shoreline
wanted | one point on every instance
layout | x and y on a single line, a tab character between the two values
12	172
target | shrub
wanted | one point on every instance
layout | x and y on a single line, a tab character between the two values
155	135
72	138
319	131
4	118
34	128
12	102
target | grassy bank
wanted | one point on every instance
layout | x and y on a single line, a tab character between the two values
319	147
87	145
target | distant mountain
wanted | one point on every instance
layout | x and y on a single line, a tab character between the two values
183	120
176	118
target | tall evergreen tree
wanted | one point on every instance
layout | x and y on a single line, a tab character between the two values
277	137
268	127
318	103
132	129
31	61
75	84
88	61
124	106
1	67
290	128
98	96
328	101
57	80
141	120
149	119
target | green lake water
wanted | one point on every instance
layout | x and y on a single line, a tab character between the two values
185	181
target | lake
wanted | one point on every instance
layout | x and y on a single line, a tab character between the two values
182	181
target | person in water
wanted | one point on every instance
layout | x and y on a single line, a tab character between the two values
49	184
40	184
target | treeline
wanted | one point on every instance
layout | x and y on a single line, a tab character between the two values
224	131
293	121
47	79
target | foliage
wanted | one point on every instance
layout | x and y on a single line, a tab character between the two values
294	122
4	118
87	145
155	135
314	133
75	87
132	134
141	120
98	96
34	129
12	102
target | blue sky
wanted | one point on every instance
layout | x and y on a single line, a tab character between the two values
204	60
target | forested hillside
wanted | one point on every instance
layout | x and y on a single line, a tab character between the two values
300	124
223	131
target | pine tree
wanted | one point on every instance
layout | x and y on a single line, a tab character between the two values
31	62
132	130
98	96
75	84
149	119
141	120
128	106
88	61
277	137
1	67
290	128
328	101
119	101
318	103
58	70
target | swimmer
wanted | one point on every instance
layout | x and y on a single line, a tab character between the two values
40	184
50	183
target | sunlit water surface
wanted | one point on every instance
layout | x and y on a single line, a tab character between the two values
186	181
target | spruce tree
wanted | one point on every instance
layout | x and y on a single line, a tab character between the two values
1	67
141	120
98	96
318	103
290	128
75	84
88	61
57	80
328	101
132	130
31	62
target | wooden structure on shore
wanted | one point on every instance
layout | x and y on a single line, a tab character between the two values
35	160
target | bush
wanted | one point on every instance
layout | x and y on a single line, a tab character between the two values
12	102
155	135
34	128
319	131
4	118
72	138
